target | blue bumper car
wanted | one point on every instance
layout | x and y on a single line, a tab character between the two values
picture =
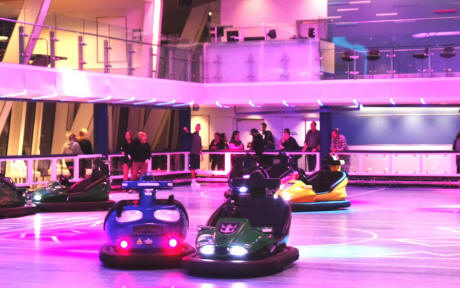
146	233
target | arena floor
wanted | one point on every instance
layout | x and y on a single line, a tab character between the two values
391	237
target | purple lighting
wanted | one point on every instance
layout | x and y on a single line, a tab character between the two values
435	34
146	102
131	99
100	99
221	106
55	94
10	95
184	104
166	103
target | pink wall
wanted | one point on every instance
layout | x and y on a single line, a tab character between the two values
241	13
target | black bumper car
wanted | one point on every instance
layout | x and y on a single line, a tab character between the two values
247	235
91	193
12	200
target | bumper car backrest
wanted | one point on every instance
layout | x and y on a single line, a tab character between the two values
81	185
328	180
266	212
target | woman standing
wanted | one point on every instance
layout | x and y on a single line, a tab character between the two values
126	151
236	145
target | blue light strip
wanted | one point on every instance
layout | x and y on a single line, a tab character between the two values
166	103
10	95
146	102
100	99
55	94
221	106
184	104
131	99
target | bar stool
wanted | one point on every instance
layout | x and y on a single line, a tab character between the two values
372	56
391	55
422	56
349	56
448	53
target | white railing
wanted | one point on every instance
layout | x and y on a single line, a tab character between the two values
170	163
38	170
419	164
27	171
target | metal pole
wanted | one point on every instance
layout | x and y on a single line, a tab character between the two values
189	67
430	62
22	35
53	41
151	69
106	56
130	53
81	57
170	63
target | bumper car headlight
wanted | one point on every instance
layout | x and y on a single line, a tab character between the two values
167	215
130	216
238	251
37	197
207	249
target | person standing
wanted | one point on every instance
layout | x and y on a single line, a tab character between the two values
215	145
289	144
269	141
338	141
86	148
311	144
196	154
71	147
126	151
257	144
141	154
456	148
236	145
339	144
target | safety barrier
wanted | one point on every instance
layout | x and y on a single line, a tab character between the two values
39	170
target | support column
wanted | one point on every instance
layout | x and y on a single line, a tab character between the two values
37	128
101	128
153	13
18	119
325	121
33	11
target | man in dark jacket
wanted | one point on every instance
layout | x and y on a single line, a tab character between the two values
141	154
289	144
86	148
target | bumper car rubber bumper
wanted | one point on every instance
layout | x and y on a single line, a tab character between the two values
110	257
194	264
17	211
319	206
74	206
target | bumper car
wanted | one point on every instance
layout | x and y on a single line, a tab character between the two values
148	233
12	200
247	235
322	191
281	168
91	193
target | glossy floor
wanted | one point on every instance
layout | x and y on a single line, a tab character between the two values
391	237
